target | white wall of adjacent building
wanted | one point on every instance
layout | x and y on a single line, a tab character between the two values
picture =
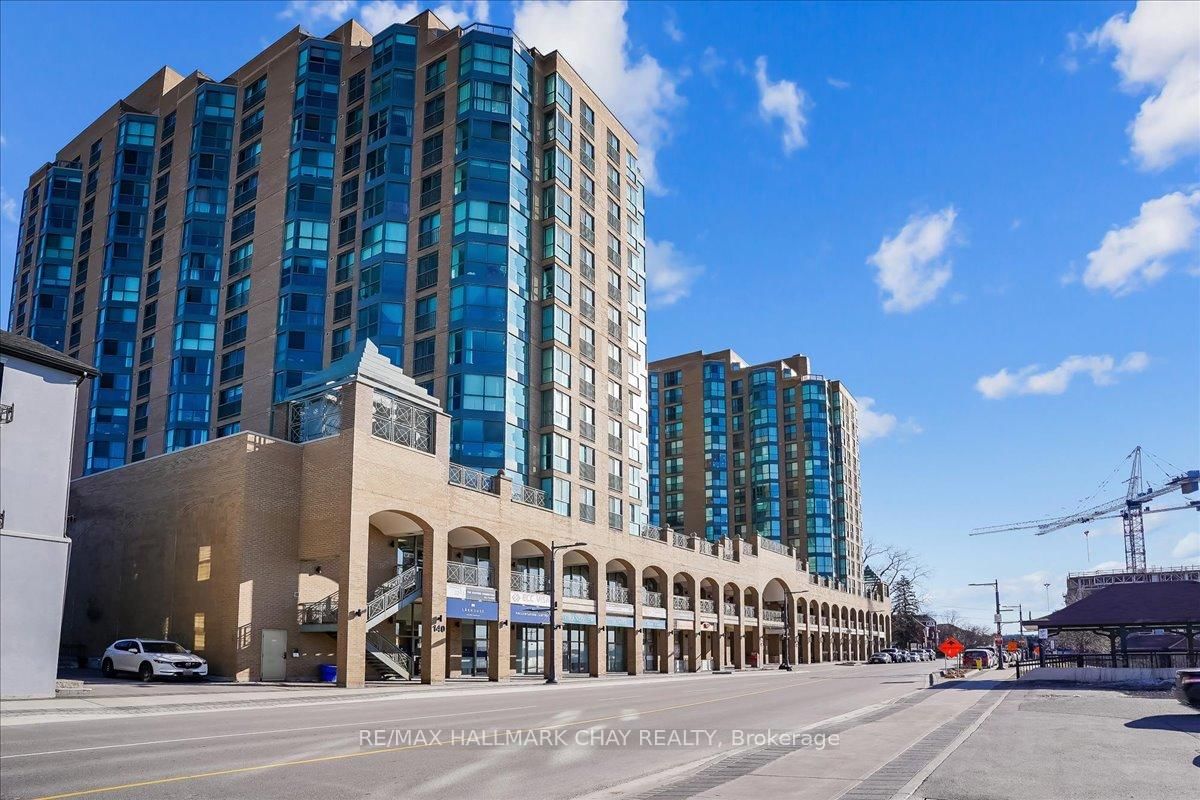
35	469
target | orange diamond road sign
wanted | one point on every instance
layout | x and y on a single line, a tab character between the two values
1012	647
950	647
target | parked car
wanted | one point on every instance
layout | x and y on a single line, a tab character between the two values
881	657
152	658
1187	687
893	654
985	657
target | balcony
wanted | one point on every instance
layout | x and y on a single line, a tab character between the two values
653	532
588	162
617	594
707	606
472	479
614	368
587	311
578	588
750	612
534	582
530	496
615	483
588	473
614	153
652	599
587	198
681	603
587	273
681	540
468	574
587	430
730	609
616	521
614	293
614	222
772	615
588	235
614	444
587	350
615	404
587	514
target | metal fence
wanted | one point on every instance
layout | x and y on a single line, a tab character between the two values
1163	659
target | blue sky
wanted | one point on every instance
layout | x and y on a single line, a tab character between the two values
982	217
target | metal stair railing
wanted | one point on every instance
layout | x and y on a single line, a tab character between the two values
321	612
389	594
389	654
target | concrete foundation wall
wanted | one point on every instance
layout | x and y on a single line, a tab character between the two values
1100	674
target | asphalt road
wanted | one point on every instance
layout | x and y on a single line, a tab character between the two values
520	741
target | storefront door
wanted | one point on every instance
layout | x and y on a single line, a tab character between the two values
530	646
575	649
474	648
650	651
616	650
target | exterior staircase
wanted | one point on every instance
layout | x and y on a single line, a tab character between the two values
384	657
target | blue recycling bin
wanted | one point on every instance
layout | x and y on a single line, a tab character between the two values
328	672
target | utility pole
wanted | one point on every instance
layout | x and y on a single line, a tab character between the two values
999	631
548	649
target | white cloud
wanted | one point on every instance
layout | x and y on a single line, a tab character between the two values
1158	51
1102	369
1131	257
1187	549
784	100
378	14
711	61
838	83
594	37
310	13
671	26
8	206
910	269
874	424
669	273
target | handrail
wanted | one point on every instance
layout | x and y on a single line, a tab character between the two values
730	609
681	540
681	603
529	495
468	574
652	599
469	478
707	606
390	592
528	582
617	594
320	612
390	649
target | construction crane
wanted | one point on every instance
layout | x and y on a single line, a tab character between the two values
1129	508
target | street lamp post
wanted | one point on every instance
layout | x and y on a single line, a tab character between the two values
1047	587
788	611
999	631
552	672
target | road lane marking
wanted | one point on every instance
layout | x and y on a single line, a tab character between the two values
360	753
360	724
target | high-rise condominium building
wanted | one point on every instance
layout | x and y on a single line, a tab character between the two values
770	449
207	244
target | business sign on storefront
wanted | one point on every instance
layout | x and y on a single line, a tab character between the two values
654	624
530	599
529	614
578	618
618	622
457	608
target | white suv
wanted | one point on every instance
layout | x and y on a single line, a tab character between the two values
152	658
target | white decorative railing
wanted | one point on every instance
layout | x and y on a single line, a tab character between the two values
747	548
617	594
468	574
681	603
730	609
772	615
653	532
390	592
472	479
528	582
750	611
578	588
772	545
707	606
681	540
530	496
652	599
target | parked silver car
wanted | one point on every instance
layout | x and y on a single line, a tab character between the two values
152	658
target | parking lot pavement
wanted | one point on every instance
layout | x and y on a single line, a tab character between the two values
1075	741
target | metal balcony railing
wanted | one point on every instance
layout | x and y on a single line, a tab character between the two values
588	162
772	615
750	611
615	482
588	235
730	609
577	588
472	479
391	591
587	350
681	540
587	513
587	273
681	603
588	128
707	606
616	521
587	472
615	593
652	599
586	429
530	496
587	311
653	532
614	368
528	582
774	546
614	328
615	405
322	612
614	443
588	198
468	574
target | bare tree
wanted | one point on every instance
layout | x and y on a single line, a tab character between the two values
891	562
